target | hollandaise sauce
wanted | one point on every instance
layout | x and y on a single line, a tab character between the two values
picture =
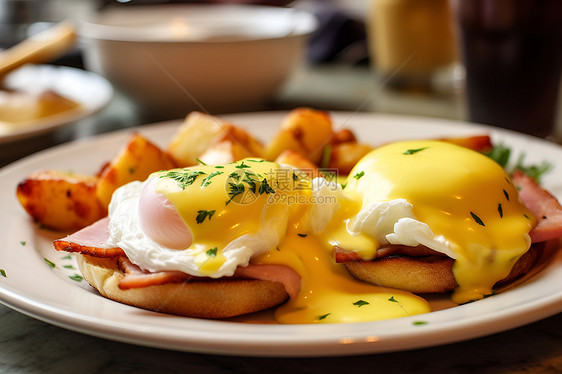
467	200
329	294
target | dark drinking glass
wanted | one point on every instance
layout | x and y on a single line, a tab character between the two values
512	50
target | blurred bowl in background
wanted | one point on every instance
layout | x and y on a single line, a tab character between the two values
171	59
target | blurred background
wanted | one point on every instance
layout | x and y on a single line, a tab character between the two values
489	61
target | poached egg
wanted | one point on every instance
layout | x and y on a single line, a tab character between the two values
451	199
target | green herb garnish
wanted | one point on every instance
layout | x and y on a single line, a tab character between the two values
67	257
183	178
22	242
212	252
242	165
323	316
360	303
303	235
207	181
76	277
50	263
359	175
265	187
199	161
501	154
3	273
68	266
477	219
235	190
393	299
412	151
500	210
419	323
202	214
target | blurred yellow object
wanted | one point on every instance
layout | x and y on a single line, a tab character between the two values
42	47
410	39
20	107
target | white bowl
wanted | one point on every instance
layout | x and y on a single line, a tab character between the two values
172	59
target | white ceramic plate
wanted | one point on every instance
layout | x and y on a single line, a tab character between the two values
33	287
90	90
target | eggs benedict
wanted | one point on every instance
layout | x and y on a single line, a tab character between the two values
221	241
429	216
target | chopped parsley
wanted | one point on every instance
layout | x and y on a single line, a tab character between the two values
323	316
501	154
303	235
500	210
242	165
68	267
506	195
360	303
22	242
3	273
183	178
219	167
207	181
67	257
265	187
199	161
50	263
413	151
212	252
235	190
359	175
419	323
76	277
393	299
477	219
202	214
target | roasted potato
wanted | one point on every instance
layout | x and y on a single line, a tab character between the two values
136	161
344	156
200	132
61	201
298	161
303	130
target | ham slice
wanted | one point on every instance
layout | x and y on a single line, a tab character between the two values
543	205
91	240
135	277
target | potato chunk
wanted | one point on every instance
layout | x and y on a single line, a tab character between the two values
303	130
202	134
136	161
59	200
344	156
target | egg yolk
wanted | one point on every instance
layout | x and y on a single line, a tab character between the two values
460	194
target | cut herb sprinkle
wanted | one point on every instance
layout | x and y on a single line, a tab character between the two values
207	181
359	175
76	277
212	252
323	316
477	219
413	151
202	214
393	299
3	273
500	210
506	195
22	242
265	187
419	323
360	303
183	178
50	263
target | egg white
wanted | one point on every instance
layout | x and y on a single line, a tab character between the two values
125	232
